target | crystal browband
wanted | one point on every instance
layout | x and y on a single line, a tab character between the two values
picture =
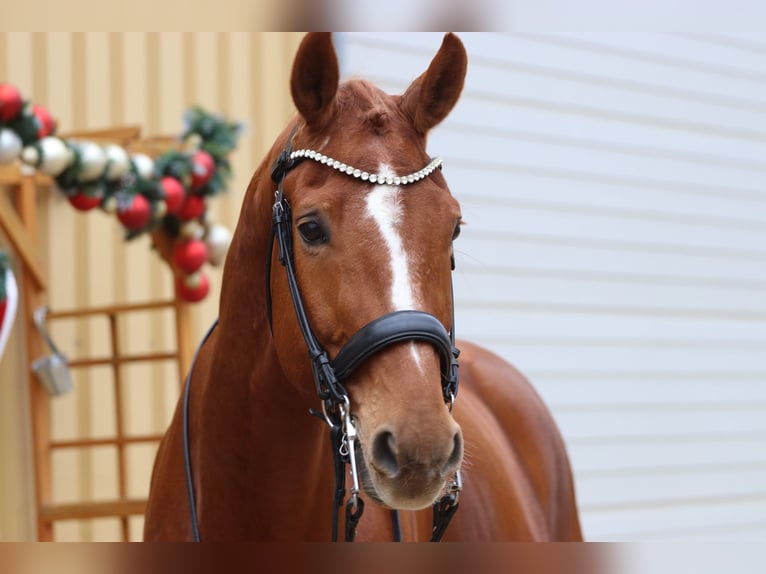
366	176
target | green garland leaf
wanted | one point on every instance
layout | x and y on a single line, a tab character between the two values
26	127
219	136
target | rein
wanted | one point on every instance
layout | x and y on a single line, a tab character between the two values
389	329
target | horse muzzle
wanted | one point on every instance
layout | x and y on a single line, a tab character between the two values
407	468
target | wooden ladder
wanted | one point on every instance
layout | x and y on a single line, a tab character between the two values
122	507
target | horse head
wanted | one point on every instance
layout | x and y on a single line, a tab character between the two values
368	241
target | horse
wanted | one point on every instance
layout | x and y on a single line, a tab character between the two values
359	330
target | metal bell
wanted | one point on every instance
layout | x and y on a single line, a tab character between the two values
53	370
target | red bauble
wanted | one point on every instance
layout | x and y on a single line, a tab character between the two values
193	293
10	102
174	193
137	214
193	207
203	167
83	201
190	254
46	123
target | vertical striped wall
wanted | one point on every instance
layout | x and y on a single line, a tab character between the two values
614	191
95	80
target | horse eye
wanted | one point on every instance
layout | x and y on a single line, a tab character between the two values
456	233
313	233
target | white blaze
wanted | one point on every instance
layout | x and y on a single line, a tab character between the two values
384	207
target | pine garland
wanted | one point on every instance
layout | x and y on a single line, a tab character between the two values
218	137
26	127
203	132
166	194
214	135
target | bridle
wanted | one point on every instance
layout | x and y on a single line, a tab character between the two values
387	330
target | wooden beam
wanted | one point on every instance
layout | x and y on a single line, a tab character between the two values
111	309
94	442
183	339
11	175
120	135
86	510
20	240
156	146
119	360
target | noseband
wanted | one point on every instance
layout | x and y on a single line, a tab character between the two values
329	375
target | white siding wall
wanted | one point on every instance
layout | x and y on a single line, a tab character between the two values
615	252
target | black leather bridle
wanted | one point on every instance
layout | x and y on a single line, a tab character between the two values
395	327
387	330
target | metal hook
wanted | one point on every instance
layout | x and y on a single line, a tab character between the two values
457	485
350	436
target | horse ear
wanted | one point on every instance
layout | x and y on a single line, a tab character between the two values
432	96
314	80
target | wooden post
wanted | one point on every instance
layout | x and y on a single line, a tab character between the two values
164	243
122	472
183	338
26	205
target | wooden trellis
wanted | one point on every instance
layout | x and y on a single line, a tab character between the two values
19	222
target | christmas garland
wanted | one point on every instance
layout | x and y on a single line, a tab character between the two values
167	194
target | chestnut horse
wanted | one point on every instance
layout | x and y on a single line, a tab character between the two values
368	241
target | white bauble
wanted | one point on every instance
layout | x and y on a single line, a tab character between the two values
160	209
144	165
192	230
93	159
109	205
50	155
194	280
119	162
10	145
217	240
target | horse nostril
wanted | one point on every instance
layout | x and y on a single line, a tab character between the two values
456	456
384	453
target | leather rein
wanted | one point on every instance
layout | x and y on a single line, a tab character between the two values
387	330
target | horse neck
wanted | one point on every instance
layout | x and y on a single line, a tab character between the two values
244	321
257	439
243	287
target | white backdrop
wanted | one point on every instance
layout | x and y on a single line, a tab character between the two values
615	252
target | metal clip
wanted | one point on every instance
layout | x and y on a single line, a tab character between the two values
326	414
349	439
456	486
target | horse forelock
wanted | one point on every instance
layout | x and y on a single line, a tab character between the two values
365	103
